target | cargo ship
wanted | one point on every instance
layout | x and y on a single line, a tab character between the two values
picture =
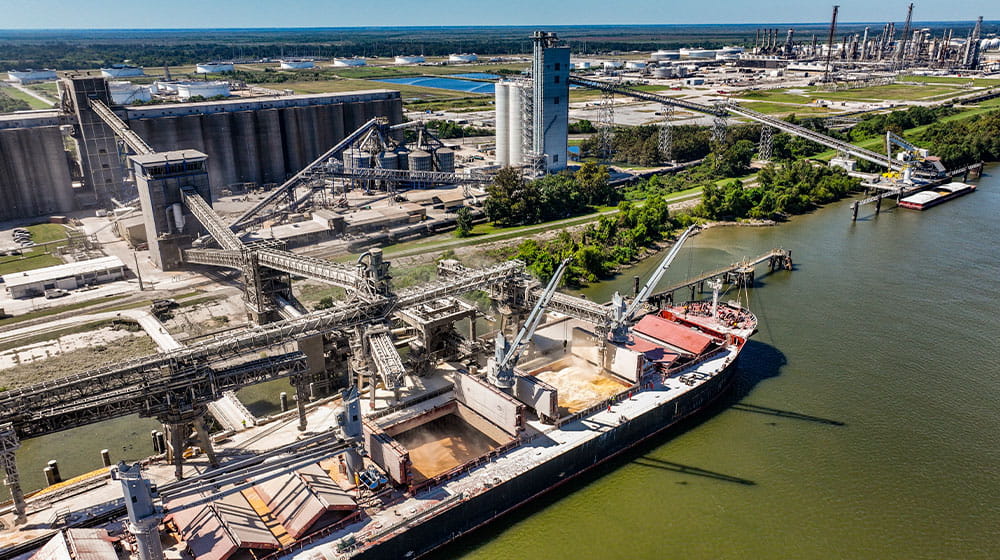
936	195
399	471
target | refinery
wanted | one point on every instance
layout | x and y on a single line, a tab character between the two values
413	415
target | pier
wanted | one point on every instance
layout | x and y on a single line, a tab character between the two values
741	274
899	191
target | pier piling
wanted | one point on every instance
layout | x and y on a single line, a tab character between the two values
105	458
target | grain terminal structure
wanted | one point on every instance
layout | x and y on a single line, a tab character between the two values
255	140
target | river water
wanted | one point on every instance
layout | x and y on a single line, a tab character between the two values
887	326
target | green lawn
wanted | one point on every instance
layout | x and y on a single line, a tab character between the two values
31	101
774	95
784	108
43	233
979	82
901	92
29	260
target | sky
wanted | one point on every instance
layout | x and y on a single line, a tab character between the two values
161	14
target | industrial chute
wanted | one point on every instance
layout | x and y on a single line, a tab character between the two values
622	313
500	368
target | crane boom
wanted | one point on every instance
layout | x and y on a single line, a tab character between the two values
500	369
623	314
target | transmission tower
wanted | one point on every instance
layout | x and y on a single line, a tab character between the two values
606	124
766	145
667	134
719	122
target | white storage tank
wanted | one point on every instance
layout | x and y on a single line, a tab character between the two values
127	93
515	124
419	160
463	57
297	64
665	55
612	64
699	53
122	71
501	97
29	76
581	64
348	62
187	90
412	59
213	67
663	72
634	65
445	160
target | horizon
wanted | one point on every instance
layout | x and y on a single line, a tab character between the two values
117	15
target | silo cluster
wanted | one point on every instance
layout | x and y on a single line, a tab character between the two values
510	122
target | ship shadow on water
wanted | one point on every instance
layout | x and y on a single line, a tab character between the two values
758	362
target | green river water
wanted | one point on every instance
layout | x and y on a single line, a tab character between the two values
888	326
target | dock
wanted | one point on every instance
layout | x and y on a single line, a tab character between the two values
899	191
737	274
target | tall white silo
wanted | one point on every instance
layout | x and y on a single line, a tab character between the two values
516	125
503	90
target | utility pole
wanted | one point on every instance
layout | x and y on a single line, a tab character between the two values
829	44
138	274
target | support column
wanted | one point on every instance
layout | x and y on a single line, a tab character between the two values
301	390
175	447
204	440
9	444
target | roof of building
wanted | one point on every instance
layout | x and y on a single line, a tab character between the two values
668	332
78	544
59	271
453	195
286	231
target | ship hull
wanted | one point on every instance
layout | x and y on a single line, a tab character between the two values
480	510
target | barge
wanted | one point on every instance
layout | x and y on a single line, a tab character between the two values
936	195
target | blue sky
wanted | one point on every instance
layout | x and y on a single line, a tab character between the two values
88	14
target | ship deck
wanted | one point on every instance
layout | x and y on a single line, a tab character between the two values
543	443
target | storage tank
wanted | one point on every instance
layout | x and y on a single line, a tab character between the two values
127	93
665	55
580	64
463	57
419	160
612	64
502	92
445	160
213	67
122	71
663	72
357	159
409	59
346	62
187	90
388	160
515	124
296	64
402	157
634	65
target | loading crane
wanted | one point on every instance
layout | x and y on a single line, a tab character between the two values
911	157
624	314
500	368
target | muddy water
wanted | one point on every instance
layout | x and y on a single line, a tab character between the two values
888	326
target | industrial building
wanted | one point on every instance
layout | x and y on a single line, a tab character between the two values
532	116
68	276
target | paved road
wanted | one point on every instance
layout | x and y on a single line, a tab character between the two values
144	318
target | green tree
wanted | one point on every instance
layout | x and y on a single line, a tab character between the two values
463	222
594	183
